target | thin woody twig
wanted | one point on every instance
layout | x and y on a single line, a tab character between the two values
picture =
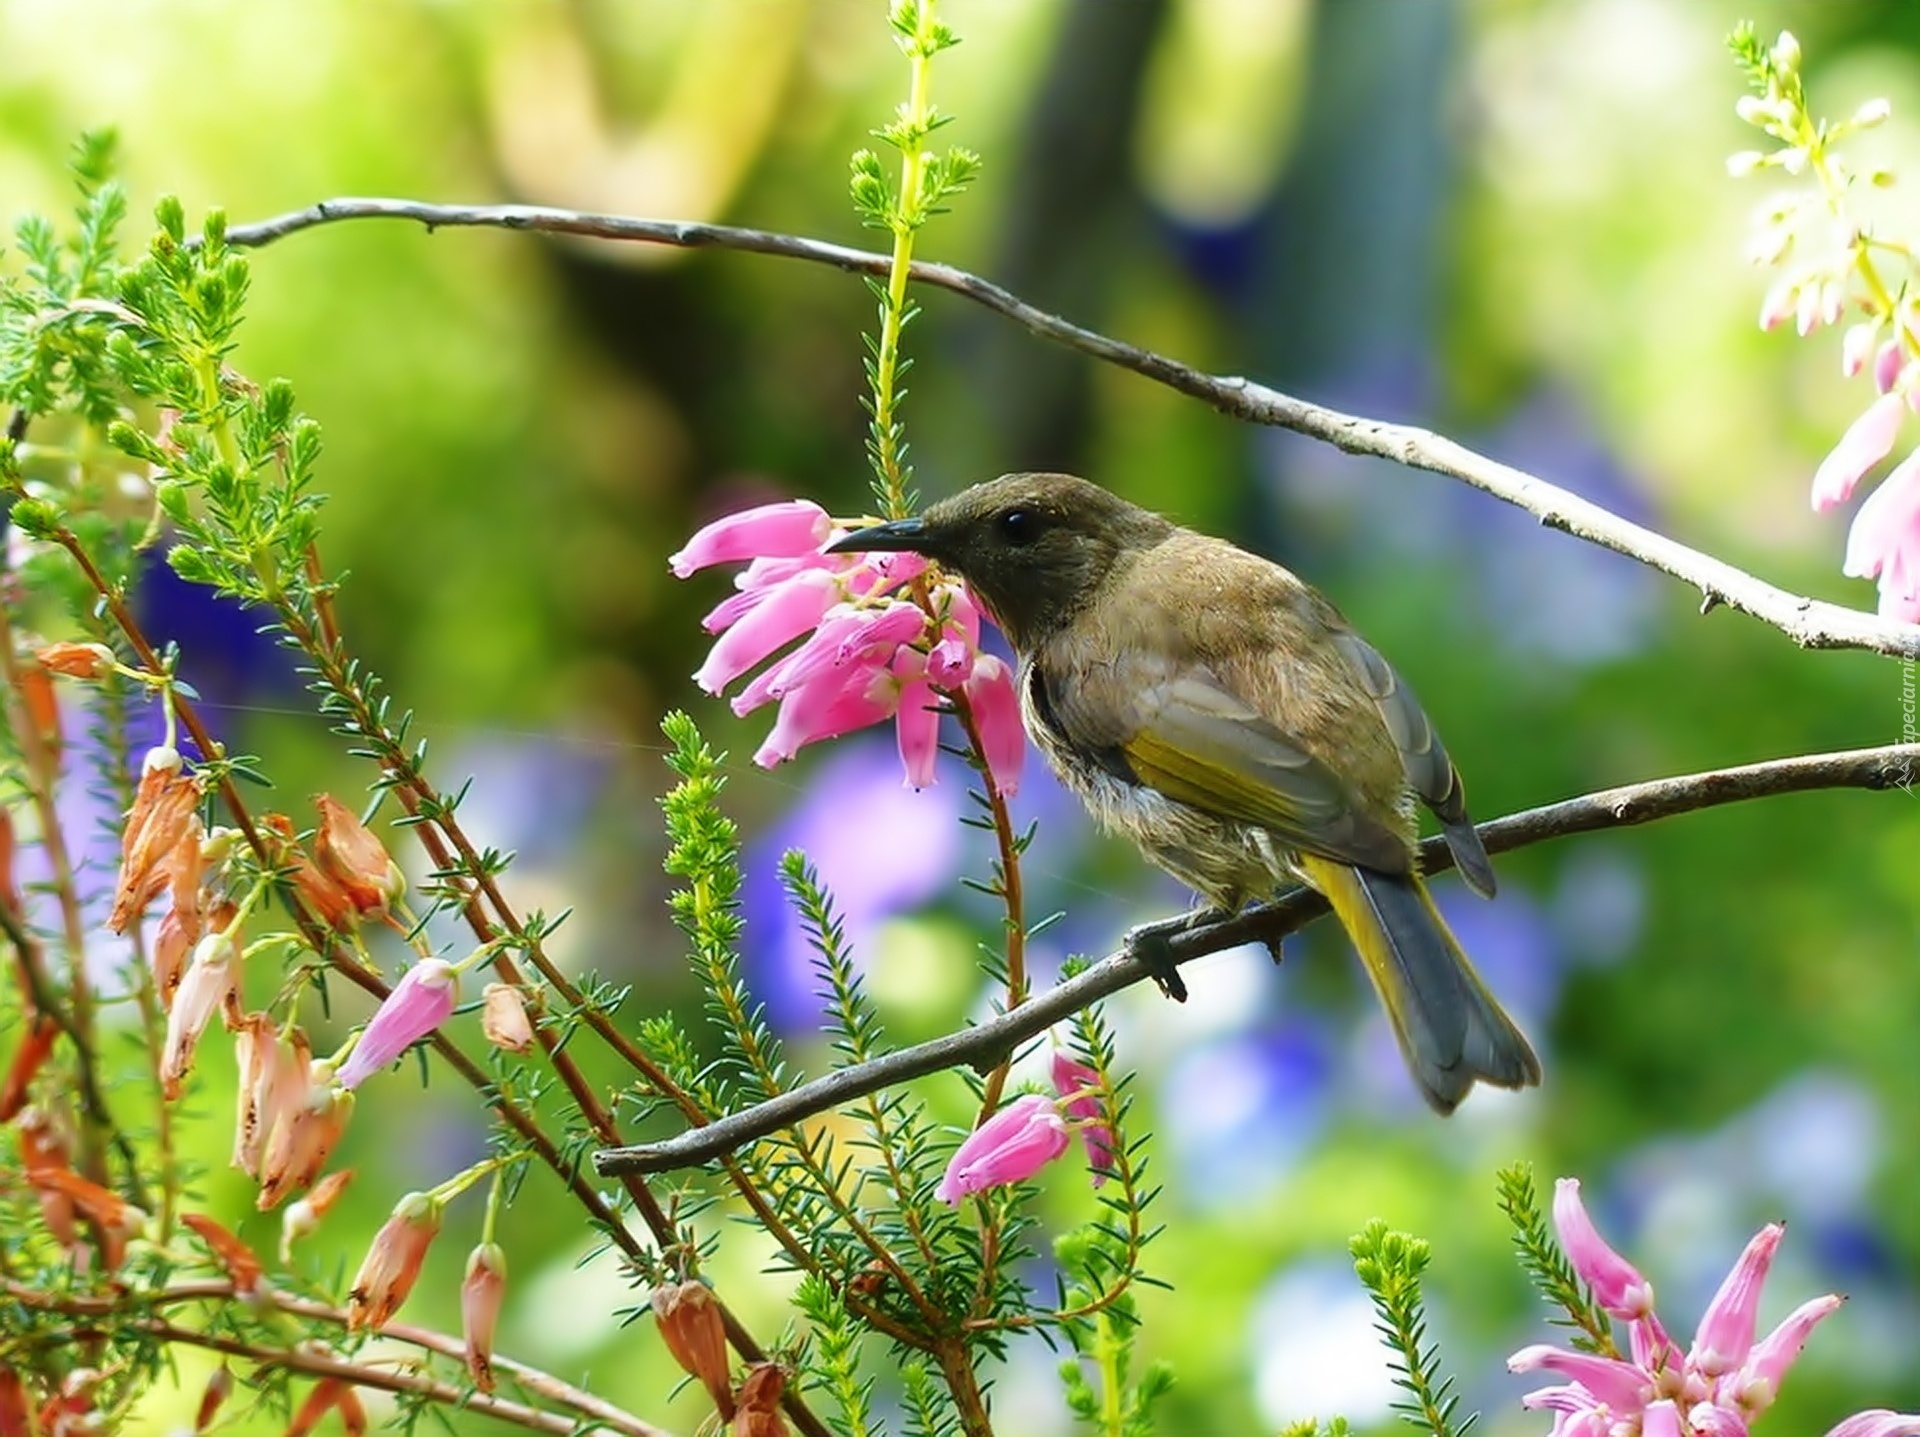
1893	766
1811	623
318	1362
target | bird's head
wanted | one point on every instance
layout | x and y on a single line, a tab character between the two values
1034	548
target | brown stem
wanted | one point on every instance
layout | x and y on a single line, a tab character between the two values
317	937
312	1362
443	839
1012	893
956	1365
75	1015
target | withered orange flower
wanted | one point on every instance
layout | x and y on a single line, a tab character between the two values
16	1411
691	1326
235	1256
758	1413
43	708
76	661
43	1146
162	817
28	1059
392	1263
353	856
219	1388
172	946
303	1138
303	1215
113	1217
320	895
273	1071
481	1294
329	1393
209	984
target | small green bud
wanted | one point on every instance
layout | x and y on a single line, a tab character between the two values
192	565
171	218
134	441
37	518
171	496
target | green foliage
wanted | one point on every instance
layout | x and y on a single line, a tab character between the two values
1390	1265
1546	1265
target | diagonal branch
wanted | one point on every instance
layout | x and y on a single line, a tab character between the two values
983	1046
1811	623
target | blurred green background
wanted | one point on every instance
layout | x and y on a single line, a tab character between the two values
1506	219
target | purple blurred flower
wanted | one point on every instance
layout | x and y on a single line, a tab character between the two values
1009	1147
1723	1381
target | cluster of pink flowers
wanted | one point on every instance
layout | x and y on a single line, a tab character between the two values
1715	1388
871	652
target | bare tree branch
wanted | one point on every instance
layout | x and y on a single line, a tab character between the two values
983	1046
1811	623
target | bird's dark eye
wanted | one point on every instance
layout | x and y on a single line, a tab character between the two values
1019	526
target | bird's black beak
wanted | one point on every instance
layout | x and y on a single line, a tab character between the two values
910	535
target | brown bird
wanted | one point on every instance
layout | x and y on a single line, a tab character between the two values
1220	712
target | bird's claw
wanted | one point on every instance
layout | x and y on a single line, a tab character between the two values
1152	945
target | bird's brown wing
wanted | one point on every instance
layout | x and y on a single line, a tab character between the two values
1429	770
1199	744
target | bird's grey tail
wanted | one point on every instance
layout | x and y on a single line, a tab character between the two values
1452	1031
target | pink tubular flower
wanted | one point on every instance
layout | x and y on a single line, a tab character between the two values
420	1002
867	652
1716	1389
1868	440
779	531
1617	1284
1009	1147
1079	1088
1884	541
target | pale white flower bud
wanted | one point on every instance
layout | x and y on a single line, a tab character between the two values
1786	52
1874	112
1745	163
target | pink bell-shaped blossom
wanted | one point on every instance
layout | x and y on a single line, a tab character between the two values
1617	1284
781	530
419	1003
1725	1336
1877	1422
776	617
1884	541
917	724
1868	440
1079	1087
990	689
1009	1147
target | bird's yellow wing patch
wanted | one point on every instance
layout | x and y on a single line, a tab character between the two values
1239	767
